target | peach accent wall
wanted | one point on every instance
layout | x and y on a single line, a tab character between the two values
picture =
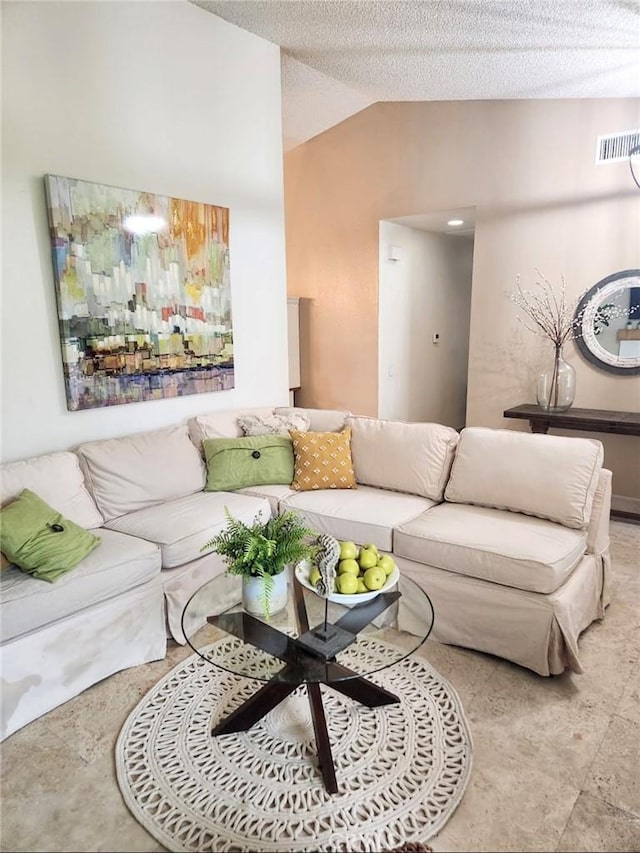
528	168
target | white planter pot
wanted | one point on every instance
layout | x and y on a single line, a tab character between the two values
253	595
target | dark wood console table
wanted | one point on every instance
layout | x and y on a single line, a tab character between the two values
587	420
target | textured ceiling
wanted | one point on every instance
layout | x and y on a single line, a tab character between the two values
342	55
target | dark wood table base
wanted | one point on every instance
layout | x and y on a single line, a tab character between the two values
304	667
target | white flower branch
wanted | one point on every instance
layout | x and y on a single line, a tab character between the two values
549	315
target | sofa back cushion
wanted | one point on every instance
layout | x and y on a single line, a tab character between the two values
136	471
405	457
320	420
548	476
222	424
58	480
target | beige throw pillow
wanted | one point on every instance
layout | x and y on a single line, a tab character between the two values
272	424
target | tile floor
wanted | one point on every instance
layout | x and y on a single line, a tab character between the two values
556	760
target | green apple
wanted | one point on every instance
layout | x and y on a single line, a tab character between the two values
386	563
347	584
348	567
314	576
374	578
372	547
348	550
367	558
361	585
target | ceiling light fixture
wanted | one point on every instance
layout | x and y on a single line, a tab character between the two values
455	222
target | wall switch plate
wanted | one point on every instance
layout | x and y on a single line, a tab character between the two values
435	338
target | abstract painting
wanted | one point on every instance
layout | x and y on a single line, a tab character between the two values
143	292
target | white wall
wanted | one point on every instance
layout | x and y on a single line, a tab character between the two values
427	291
157	96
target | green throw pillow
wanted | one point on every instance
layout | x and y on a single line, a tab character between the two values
39	540
260	460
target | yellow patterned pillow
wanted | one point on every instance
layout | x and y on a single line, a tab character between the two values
322	460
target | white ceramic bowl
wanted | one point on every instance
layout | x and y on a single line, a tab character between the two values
302	573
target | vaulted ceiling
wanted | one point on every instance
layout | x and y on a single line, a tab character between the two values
340	56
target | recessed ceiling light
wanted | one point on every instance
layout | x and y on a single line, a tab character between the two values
455	222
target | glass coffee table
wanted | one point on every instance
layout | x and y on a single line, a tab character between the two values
297	647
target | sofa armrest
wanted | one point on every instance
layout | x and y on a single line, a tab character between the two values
598	528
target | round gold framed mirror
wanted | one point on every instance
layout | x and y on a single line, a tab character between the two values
608	323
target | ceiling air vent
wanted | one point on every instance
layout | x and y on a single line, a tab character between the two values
615	147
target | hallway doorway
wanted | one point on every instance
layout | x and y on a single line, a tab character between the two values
424	306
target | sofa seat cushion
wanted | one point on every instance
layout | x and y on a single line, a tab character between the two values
119	564
181	527
495	545
364	516
137	471
274	494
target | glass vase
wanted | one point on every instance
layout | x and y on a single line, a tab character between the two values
556	386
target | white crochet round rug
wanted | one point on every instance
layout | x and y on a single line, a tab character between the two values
402	769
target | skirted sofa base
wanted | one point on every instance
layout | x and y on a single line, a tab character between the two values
46	667
539	632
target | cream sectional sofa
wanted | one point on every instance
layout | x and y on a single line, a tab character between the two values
506	531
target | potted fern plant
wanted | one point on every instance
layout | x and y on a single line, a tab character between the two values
260	552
